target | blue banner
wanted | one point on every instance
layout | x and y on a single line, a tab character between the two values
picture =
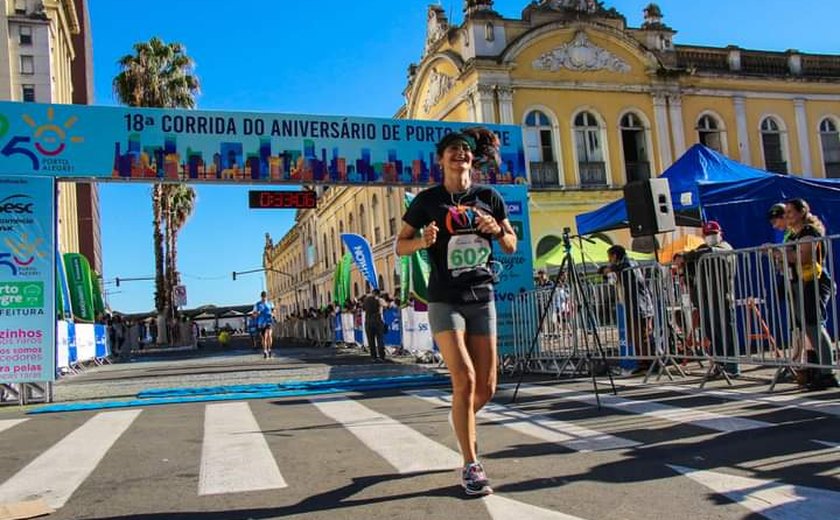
362	255
516	271
234	147
393	326
27	279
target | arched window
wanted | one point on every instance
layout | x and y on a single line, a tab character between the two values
546	244
310	252
709	133
355	289
589	145
325	253
377	228
634	143
773	144
381	283
539	150
830	139
489	32
350	227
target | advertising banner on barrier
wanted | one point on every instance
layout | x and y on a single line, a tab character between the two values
27	279
516	271
203	146
393	334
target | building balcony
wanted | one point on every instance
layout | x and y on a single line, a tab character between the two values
545	175
592	174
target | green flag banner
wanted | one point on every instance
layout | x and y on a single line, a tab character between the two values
98	302
419	267
79	279
341	280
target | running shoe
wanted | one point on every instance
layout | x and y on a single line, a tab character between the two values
474	480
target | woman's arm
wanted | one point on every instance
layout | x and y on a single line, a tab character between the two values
407	243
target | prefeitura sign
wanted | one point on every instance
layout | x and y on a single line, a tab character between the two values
27	279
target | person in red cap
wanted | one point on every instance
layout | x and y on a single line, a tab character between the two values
712	286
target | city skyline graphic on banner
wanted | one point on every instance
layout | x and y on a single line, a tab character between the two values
231	162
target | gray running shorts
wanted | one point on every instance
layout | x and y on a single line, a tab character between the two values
473	318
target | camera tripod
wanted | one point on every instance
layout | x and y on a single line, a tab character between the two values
580	294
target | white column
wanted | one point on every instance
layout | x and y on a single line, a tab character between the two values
677	127
743	129
485	104
660	111
802	134
505	105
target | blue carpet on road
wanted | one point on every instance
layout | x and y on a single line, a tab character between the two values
289	385
297	389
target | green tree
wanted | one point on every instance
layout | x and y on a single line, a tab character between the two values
158	75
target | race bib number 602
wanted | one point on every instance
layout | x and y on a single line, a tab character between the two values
466	251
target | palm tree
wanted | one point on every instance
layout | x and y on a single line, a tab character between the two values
179	204
157	75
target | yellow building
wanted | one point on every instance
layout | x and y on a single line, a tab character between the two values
301	266
36	60
601	104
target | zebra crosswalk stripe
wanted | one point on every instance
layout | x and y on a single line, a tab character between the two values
409	451
693	416
541	427
235	456
55	474
10	423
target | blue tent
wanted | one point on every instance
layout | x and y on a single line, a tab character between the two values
698	164
741	207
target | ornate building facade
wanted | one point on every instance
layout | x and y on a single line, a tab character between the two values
601	103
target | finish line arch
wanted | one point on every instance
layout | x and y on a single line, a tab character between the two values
41	144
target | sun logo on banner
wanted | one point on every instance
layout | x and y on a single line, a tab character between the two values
49	137
24	251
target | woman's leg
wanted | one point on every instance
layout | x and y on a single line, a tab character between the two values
463	375
482	351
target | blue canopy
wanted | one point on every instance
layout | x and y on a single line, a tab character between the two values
741	207
698	164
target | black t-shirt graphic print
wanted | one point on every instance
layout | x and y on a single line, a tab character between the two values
461	257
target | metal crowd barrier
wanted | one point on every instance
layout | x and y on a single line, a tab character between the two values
720	312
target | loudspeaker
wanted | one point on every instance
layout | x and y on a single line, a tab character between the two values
649	207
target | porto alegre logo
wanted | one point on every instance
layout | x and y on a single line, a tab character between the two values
44	144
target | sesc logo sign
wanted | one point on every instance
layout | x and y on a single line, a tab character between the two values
17	205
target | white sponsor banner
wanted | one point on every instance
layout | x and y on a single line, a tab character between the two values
62	344
85	342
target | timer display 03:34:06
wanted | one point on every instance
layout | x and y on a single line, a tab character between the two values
274	199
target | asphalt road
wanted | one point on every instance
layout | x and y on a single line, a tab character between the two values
654	451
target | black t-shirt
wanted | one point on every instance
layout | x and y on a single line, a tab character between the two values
460	258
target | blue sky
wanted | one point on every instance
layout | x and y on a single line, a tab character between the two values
334	58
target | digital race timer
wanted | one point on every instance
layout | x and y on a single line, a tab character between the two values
264	199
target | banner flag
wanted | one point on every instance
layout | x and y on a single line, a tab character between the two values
360	250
